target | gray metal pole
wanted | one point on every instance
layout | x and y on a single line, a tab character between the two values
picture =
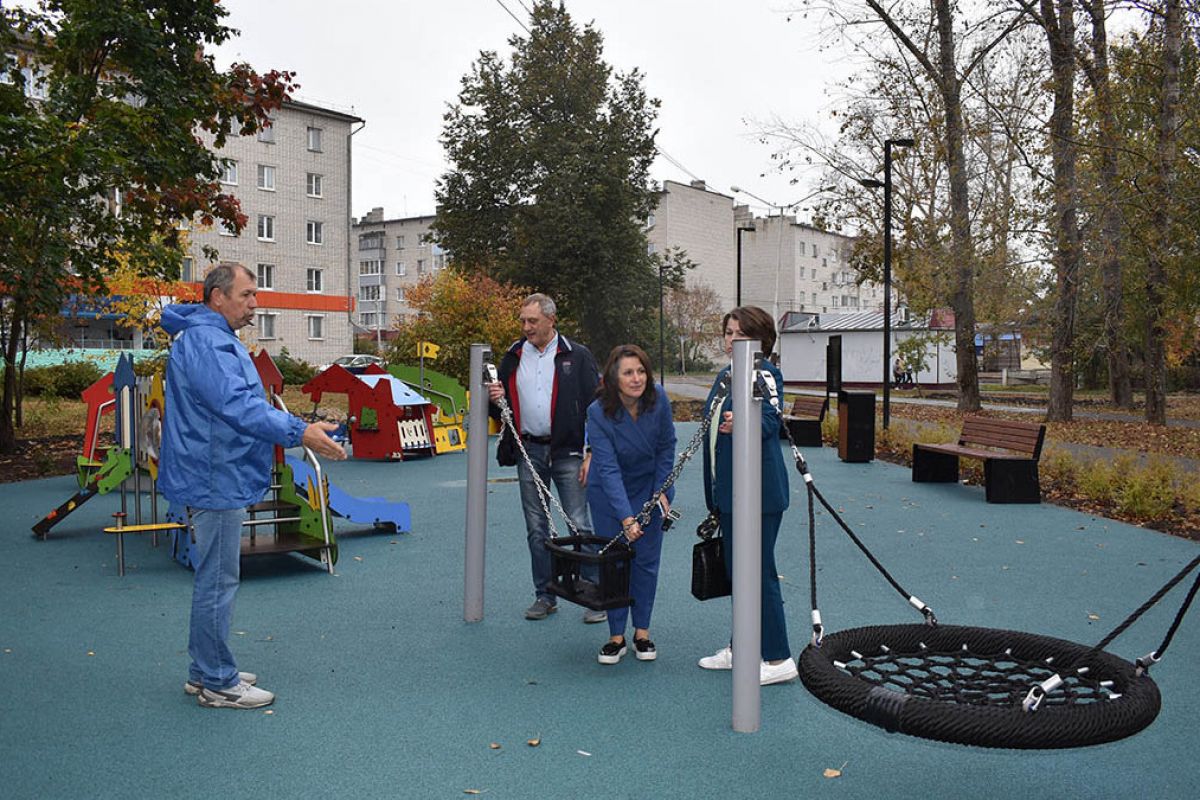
747	540
477	466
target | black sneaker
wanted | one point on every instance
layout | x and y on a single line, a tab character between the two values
644	650
611	652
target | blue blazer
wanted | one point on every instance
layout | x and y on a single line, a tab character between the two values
630	460
718	493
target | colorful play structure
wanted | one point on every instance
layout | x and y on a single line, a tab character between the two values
295	517
390	418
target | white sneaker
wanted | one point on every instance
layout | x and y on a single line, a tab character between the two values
193	687
240	695
777	673
722	659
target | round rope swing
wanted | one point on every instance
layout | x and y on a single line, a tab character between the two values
977	686
611	558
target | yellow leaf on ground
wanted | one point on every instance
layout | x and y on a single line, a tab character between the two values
1093	616
91	652
832	773
494	745
472	791
534	742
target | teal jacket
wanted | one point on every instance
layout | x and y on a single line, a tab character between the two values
718	492
218	428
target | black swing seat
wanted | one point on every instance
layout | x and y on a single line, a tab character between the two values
966	685
567	559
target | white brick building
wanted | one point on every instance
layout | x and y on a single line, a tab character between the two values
293	183
699	221
790	266
389	256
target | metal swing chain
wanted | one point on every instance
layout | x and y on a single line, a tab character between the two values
643	516
542	490
765	383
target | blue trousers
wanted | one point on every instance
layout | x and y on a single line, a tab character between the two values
216	557
562	473
643	576
774	624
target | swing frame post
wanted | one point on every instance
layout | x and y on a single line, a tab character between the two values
747	539
477	471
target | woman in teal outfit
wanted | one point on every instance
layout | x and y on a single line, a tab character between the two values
751	322
632	439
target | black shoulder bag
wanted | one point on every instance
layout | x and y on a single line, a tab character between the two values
709	578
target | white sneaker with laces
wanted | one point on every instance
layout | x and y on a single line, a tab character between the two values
193	687
778	673
722	659
240	695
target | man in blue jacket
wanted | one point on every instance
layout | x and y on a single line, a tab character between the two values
549	381
216	456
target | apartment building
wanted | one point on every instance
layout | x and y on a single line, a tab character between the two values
389	257
700	221
790	266
293	183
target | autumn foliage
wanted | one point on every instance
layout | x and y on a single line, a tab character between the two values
454	311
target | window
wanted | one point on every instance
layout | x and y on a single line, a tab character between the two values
833	301
367	320
316	326
814	250
266	177
314	139
266	325
225	228
439	262
371	241
814	274
650	220
313	186
400	293
267	134
368	293
370	267
649	248
315	280
266	276
802	246
399	242
420	266
824	262
186	268
401	270
229	173
814	298
266	228
314	232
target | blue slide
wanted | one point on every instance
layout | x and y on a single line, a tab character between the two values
376	511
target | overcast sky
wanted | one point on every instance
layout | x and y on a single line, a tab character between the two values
716	66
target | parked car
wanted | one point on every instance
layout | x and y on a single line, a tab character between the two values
355	364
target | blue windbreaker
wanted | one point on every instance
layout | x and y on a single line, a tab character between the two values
218	427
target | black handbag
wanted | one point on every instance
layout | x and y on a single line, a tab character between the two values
506	449
709	578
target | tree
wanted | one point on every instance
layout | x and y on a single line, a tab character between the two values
694	314
99	108
454	311
549	186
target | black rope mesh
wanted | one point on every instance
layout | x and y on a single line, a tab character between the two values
966	685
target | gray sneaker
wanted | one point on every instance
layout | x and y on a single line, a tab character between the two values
540	609
240	695
591	617
193	687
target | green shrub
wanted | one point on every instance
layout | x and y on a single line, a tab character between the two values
66	380
1100	479
148	366
1060	467
1148	492
295	372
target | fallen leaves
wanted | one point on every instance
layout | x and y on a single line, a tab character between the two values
494	746
835	773
534	742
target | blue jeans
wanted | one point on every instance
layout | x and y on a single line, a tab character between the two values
564	473
216	555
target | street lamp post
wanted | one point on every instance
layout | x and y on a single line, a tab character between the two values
662	364
779	254
870	183
740	231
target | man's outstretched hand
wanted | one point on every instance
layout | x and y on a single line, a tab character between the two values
316	438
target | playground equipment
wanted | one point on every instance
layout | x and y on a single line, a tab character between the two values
296	516
450	398
388	420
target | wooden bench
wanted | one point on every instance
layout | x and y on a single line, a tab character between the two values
804	420
1009	451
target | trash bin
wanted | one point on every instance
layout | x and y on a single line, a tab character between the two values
856	425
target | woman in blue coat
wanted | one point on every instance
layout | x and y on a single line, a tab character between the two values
632	439
751	322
